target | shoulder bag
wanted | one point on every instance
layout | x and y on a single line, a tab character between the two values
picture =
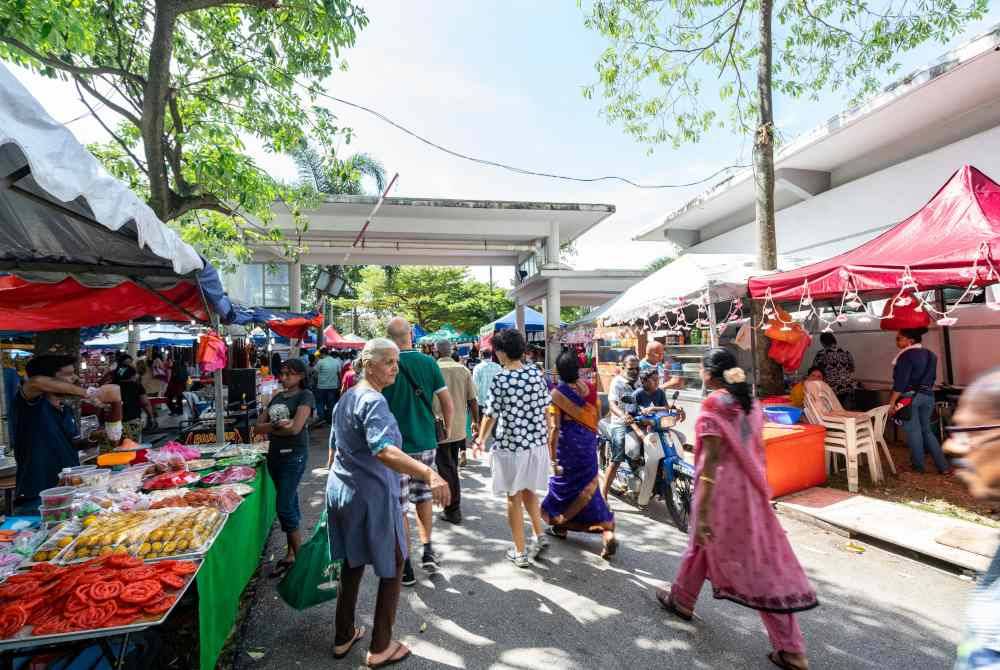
439	430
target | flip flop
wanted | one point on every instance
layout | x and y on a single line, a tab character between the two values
556	531
280	569
667	603
392	658
359	632
778	658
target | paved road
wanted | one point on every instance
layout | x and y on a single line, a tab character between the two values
573	610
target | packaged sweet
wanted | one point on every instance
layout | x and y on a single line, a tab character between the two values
174	447
232	474
222	500
166	461
151	534
169	480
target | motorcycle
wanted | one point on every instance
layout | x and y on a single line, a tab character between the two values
675	476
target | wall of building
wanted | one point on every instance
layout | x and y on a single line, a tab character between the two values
851	214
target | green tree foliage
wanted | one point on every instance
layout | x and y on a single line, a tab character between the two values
331	175
658	263
181	85
430	296
674	69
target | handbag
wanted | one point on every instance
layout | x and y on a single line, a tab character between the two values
312	579
439	430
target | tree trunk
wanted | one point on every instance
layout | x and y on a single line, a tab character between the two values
355	327
154	103
769	375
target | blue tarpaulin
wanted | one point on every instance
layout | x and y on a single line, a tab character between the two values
243	315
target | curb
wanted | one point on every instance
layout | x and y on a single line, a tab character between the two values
899	550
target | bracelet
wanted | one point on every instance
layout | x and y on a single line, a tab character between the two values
706	479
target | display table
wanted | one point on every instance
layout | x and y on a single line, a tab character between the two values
794	456
229	564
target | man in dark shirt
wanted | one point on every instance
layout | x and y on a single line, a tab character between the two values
913	374
45	432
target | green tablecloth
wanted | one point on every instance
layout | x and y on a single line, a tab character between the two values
229	564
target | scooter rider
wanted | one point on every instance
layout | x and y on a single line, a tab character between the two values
650	399
621	404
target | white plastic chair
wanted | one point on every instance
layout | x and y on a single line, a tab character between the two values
878	417
851	434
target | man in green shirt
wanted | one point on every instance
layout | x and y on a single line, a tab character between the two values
411	400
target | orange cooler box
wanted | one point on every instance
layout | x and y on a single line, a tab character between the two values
794	457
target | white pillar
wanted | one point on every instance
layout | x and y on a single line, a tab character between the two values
133	340
294	299
552	246
552	308
519	316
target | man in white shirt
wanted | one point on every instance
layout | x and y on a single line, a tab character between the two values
621	404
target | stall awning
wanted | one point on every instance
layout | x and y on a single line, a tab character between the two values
334	340
685	280
64	218
940	244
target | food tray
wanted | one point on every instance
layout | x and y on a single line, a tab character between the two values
194	555
131	532
199	464
24	639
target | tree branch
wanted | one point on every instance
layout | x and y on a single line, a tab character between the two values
120	141
194	5
82	81
65	66
732	37
181	205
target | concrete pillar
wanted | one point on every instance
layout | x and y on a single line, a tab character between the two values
294	299
553	305
519	316
295	287
552	246
133	340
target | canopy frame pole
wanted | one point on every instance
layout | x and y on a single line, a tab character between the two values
753	348
949	366
170	302
220	410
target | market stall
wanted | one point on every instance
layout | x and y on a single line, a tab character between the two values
119	542
534	326
150	335
946	245
446	332
334	340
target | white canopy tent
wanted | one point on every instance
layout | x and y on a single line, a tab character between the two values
685	280
162	334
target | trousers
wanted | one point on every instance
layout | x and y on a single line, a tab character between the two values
446	460
782	629
386	603
919	436
653	450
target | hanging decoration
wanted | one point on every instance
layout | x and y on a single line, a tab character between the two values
983	272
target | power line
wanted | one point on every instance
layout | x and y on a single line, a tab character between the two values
503	166
518	170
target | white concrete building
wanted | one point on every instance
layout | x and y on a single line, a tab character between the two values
864	170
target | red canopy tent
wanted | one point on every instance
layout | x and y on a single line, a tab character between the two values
334	340
295	328
948	242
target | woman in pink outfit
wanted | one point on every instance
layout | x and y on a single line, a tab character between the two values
737	542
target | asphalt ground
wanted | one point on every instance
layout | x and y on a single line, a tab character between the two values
574	610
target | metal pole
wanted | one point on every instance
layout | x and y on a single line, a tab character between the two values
220	410
949	366
753	350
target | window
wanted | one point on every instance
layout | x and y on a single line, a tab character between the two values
260	285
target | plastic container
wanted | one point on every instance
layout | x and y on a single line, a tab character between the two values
56	514
783	414
57	496
116	458
74	476
795	457
96	478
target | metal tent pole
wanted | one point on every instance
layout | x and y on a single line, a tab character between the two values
220	410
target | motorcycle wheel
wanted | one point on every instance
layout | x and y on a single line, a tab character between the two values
679	498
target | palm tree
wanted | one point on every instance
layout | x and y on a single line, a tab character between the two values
333	176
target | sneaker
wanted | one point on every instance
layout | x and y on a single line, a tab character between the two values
462	459
454	517
429	562
520	560
537	546
409	579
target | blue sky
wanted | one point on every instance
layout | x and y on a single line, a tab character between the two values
502	80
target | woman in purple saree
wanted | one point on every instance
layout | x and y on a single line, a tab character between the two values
574	501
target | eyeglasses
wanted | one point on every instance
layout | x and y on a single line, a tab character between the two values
962	435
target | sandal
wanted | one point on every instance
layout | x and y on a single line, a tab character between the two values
556	531
667	603
399	652
280	568
778	658
342	650
610	549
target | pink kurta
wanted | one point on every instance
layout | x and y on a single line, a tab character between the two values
748	558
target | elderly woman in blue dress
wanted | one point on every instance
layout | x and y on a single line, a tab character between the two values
365	499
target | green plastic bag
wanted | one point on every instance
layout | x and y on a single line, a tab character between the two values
313	578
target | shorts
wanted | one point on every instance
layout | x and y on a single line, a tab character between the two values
404	493
617	446
420	491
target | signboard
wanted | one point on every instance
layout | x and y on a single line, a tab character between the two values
205	434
